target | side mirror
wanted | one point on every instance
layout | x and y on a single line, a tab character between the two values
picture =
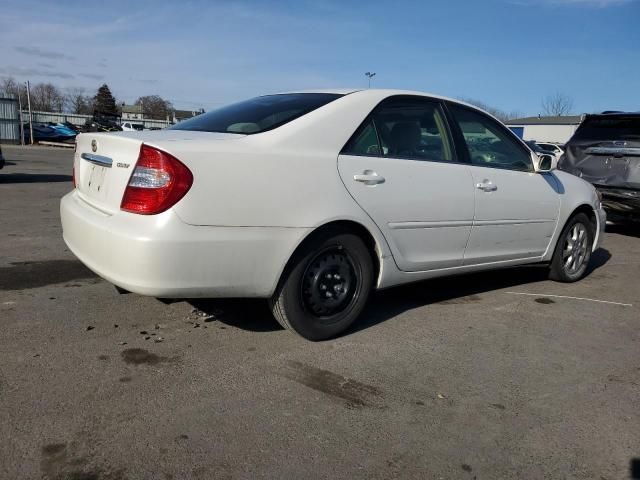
545	163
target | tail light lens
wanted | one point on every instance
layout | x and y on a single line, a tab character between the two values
73	175
158	182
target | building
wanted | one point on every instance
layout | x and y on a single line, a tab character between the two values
131	112
179	115
545	129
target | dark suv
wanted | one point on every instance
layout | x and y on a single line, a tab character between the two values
605	150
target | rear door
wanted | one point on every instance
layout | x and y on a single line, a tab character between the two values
516	209
402	169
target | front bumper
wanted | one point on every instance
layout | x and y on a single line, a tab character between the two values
161	256
602	224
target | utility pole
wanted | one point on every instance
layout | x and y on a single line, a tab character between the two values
20	117
370	75
30	116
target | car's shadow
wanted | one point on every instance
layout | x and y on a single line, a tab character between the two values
33	178
254	315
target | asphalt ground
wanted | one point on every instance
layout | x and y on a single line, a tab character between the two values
496	375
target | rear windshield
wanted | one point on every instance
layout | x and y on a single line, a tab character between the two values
609	128
257	114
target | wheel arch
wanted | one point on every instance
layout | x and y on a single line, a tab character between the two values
373	244
590	212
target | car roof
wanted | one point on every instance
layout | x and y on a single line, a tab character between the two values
382	93
375	91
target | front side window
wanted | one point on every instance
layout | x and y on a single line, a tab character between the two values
257	114
489	144
403	127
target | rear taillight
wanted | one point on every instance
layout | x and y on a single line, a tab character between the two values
158	182
73	175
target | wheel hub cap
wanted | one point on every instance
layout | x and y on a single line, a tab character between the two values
575	249
329	283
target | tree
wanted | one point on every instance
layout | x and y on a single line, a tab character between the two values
496	112
557	104
46	97
17	89
76	101
104	102
154	106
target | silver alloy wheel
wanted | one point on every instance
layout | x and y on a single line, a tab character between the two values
576	245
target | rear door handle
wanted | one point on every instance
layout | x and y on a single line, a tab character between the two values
369	177
486	186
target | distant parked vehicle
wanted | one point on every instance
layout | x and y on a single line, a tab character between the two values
132	127
605	150
102	122
312	200
553	148
1	159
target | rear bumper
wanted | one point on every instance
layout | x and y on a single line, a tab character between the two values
161	256
621	201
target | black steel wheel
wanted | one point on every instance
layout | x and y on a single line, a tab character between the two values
325	287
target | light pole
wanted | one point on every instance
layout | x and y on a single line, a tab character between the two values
30	116
370	75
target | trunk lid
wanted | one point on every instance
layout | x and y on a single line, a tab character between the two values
104	162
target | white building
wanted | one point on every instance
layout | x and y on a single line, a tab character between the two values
545	129
131	112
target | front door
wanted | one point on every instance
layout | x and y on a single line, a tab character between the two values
401	168
516	209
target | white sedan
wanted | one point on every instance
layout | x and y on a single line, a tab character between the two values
313	199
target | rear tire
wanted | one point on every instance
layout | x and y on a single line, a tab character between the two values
573	250
325	287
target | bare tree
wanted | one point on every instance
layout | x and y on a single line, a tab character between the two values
496	112
154	106
77	101
46	97
10	86
557	104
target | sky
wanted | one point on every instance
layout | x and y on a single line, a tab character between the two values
509	54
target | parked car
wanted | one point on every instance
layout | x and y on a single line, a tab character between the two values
312	200
131	127
605	150
554	149
1	159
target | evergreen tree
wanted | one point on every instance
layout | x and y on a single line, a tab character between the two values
104	101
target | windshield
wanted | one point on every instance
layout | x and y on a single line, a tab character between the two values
609	128
257	114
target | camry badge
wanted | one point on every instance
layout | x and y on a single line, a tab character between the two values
94	145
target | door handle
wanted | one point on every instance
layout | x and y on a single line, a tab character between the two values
486	186
369	177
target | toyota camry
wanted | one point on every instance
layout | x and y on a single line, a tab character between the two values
313	199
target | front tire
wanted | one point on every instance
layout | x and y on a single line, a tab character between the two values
325	287
573	250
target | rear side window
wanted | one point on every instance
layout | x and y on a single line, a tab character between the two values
609	128
257	114
404	127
